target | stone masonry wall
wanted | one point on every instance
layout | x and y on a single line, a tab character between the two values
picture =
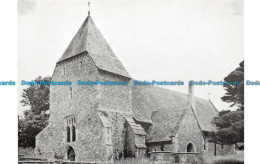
130	148
115	100
79	102
222	151
189	132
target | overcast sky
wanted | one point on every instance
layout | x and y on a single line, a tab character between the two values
156	40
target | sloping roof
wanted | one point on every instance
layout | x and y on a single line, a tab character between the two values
106	123
137	129
165	109
89	39
205	113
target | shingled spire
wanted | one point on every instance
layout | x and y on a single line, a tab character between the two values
89	39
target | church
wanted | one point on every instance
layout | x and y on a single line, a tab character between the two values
100	123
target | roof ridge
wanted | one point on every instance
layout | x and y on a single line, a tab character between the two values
167	89
162	88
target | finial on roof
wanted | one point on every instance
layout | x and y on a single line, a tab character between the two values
88	8
209	95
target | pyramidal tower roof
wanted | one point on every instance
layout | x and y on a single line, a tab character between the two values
89	39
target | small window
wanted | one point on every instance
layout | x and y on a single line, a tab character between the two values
63	71
73	133
108	135
222	146
70	92
68	134
205	145
162	147
80	65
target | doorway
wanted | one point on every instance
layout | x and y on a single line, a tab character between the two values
71	154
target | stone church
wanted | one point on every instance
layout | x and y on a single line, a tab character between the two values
109	122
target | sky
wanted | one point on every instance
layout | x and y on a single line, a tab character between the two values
155	39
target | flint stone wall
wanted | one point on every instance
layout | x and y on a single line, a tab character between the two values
90	143
189	132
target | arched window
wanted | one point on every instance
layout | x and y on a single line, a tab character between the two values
190	148
73	133
68	134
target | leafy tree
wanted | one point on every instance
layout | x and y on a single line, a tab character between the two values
35	119
235	93
230	124
29	127
37	96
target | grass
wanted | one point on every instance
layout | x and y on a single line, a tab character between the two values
133	161
237	158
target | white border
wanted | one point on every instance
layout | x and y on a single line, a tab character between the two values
8	71
252	72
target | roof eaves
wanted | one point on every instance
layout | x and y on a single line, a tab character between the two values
158	141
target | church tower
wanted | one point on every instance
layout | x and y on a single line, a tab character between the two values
87	121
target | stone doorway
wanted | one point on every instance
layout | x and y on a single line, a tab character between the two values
71	154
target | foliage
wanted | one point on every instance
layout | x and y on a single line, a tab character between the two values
230	124
30	127
37	96
235	93
230	127
35	119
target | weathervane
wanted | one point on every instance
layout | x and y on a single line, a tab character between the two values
88	8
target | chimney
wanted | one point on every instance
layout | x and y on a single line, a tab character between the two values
191	97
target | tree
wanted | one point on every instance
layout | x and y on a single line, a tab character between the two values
230	124
37	96
35	119
235	93
29	127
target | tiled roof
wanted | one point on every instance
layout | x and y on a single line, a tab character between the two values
137	129
205	113
165	109
104	120
89	39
